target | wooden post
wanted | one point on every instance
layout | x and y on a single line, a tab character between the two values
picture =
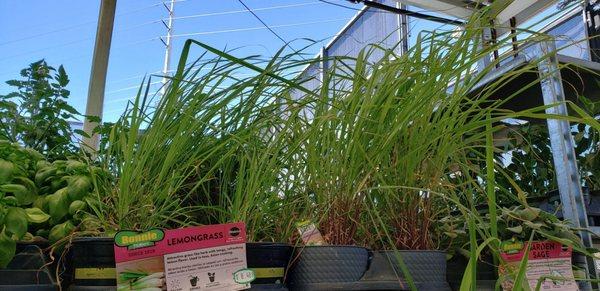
95	99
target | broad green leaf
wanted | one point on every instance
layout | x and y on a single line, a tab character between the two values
69	108
10	200
61	77
534	225
78	187
26	197
81	132
516	229
41	203
36	215
13	188
60	231
58	204
529	213
27	237
8	247
76	206
74	166
16	222
43	174
93	118
6	171
14	83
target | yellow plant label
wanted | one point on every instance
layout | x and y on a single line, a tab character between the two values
268	272
95	273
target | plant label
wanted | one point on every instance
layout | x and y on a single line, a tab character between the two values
310	234
209	257
548	262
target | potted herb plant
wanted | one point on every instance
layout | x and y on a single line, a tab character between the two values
219	161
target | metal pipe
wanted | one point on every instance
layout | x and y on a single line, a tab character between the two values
513	32
381	6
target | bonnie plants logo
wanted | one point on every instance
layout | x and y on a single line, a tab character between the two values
234	231
244	276
135	240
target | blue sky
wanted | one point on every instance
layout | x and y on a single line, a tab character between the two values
63	31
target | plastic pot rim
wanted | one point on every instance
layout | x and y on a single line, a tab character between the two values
92	239
411	251
331	246
269	244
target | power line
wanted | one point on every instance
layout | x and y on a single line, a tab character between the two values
78	25
128	88
339	5
63	60
78	41
137	25
47	48
261	21
133	77
243	11
258	28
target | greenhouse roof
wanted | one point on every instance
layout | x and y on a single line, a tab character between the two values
521	9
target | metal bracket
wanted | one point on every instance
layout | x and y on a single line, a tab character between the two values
324	64
563	149
486	60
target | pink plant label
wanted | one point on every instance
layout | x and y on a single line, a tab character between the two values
211	257
548	261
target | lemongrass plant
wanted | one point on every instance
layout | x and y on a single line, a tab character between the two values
374	163
212	149
394	145
253	183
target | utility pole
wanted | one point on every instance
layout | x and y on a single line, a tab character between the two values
168	46
95	99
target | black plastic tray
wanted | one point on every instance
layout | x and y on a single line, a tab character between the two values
27	271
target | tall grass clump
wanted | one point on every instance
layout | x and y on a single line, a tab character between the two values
202	153
377	156
394	145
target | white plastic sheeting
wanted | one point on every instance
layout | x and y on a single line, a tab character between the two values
370	26
571	38
374	26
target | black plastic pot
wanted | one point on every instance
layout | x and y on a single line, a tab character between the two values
486	272
327	267
91	262
267	287
268	261
427	269
27	271
27	247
